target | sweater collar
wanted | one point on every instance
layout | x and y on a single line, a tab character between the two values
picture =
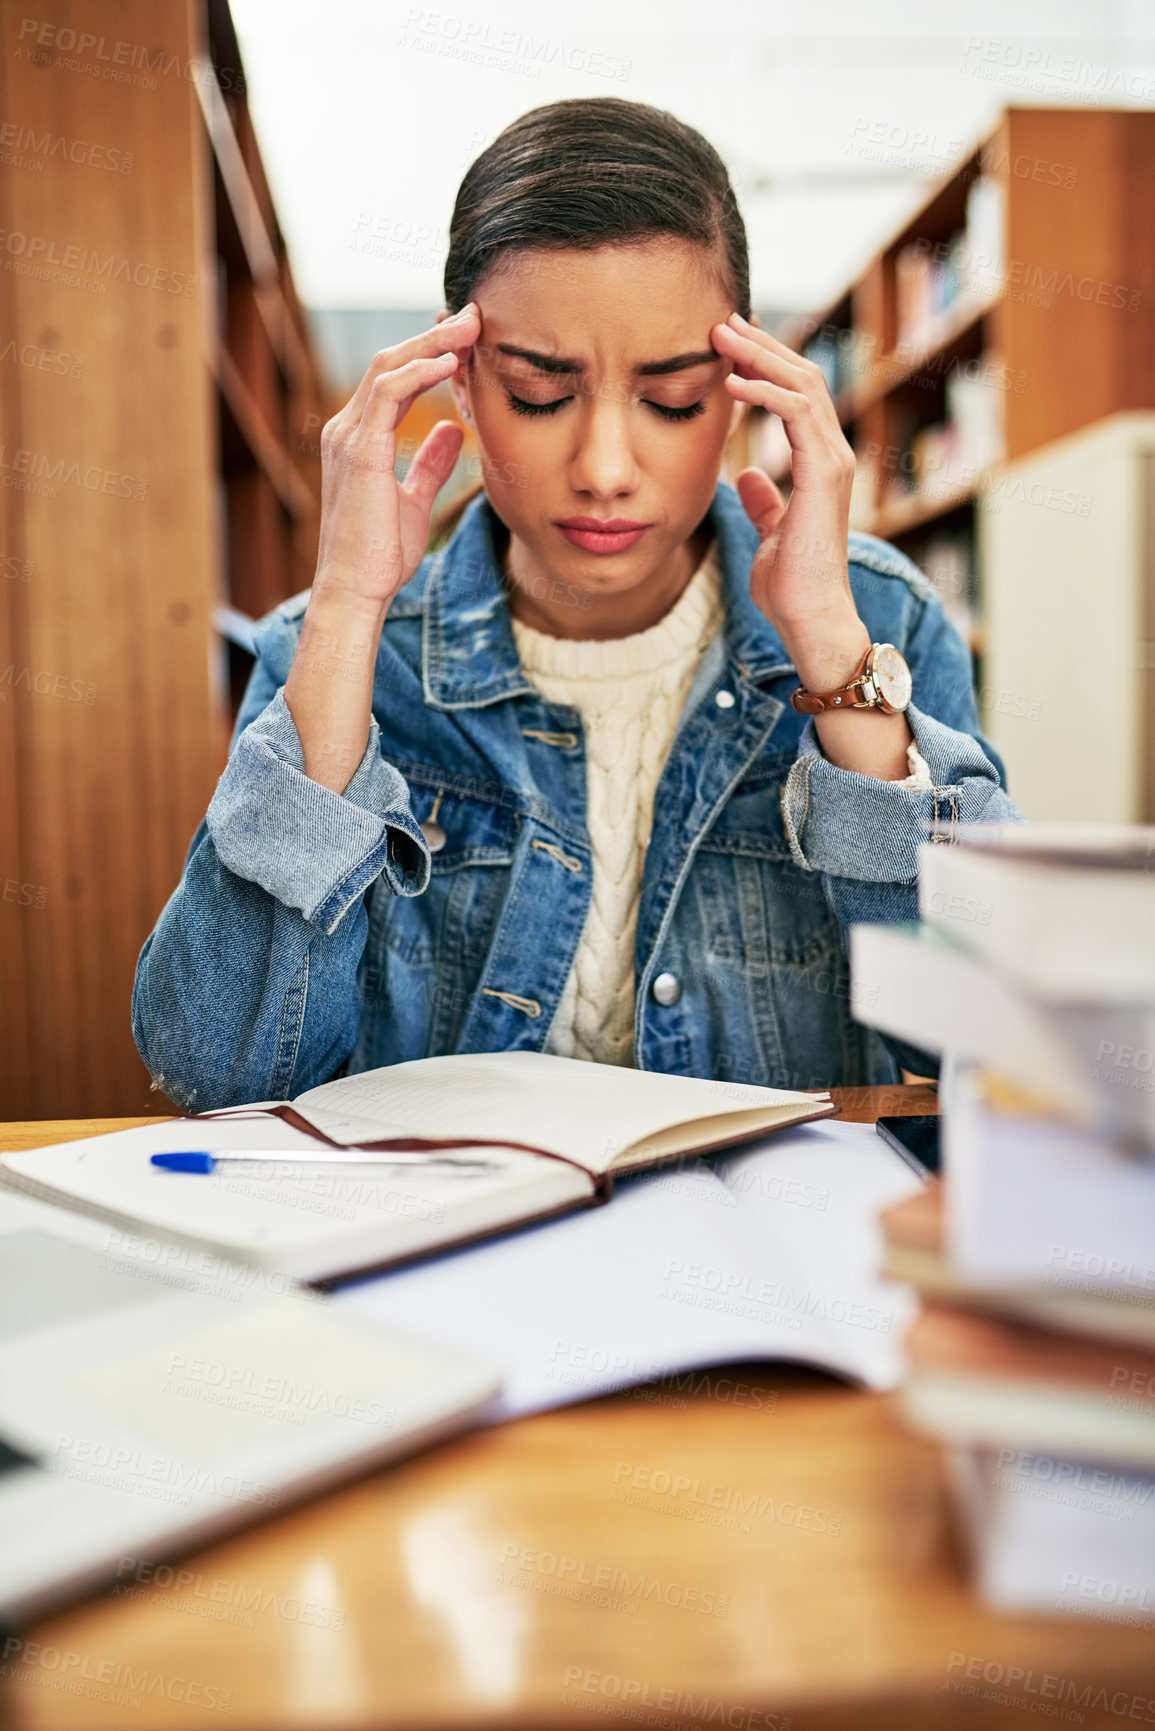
469	653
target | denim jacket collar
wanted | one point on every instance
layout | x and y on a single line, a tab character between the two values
469	654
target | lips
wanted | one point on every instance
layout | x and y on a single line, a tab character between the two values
602	534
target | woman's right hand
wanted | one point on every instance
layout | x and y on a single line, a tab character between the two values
374	532
374	528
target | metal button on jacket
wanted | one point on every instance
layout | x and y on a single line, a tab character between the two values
434	834
667	988
724	699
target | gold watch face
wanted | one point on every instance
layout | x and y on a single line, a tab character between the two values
891	677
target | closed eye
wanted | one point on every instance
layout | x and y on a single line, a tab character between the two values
521	407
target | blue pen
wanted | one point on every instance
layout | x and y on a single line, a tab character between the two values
201	1160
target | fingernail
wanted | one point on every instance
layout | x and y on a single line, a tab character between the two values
737	317
465	311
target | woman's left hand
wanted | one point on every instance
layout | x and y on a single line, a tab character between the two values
799	577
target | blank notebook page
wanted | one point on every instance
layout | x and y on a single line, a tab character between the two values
769	1253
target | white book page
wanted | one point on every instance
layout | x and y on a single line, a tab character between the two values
325	1216
1032	1203
686	1267
588	1113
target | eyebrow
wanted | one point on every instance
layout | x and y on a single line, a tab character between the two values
648	369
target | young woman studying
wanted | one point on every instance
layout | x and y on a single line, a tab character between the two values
610	773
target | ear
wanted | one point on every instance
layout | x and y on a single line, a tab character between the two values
458	386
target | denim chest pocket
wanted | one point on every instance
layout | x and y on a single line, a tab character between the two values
759	911
455	916
750	823
463	829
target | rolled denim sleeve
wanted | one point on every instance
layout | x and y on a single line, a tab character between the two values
855	827
861	834
314	850
247	987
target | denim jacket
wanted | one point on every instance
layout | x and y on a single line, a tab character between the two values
313	931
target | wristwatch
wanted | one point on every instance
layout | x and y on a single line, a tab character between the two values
881	682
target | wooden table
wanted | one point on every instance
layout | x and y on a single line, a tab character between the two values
433	1593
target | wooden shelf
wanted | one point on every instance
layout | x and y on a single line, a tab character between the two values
272	395
1062	336
899	368
916	510
267	451
260	253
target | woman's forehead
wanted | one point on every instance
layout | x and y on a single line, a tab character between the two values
584	308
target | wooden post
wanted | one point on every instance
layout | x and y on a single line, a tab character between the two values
110	707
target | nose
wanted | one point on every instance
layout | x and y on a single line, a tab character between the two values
603	464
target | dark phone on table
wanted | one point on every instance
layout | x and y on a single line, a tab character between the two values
916	1139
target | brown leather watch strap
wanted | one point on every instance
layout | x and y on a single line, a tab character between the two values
814	702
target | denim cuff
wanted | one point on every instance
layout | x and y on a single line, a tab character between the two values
855	826
312	849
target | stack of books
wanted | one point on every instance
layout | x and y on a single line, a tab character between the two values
1033	1356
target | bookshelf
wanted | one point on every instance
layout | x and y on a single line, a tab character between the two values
1011	310
164	492
272	399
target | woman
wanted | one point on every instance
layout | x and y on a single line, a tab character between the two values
547	787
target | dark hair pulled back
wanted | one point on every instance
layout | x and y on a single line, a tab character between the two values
585	173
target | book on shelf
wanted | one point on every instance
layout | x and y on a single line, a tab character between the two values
936	281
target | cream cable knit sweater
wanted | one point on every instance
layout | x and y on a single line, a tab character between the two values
631	692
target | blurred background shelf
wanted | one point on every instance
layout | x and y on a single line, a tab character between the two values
1013	309
201	395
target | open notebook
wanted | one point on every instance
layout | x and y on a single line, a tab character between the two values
552	1132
